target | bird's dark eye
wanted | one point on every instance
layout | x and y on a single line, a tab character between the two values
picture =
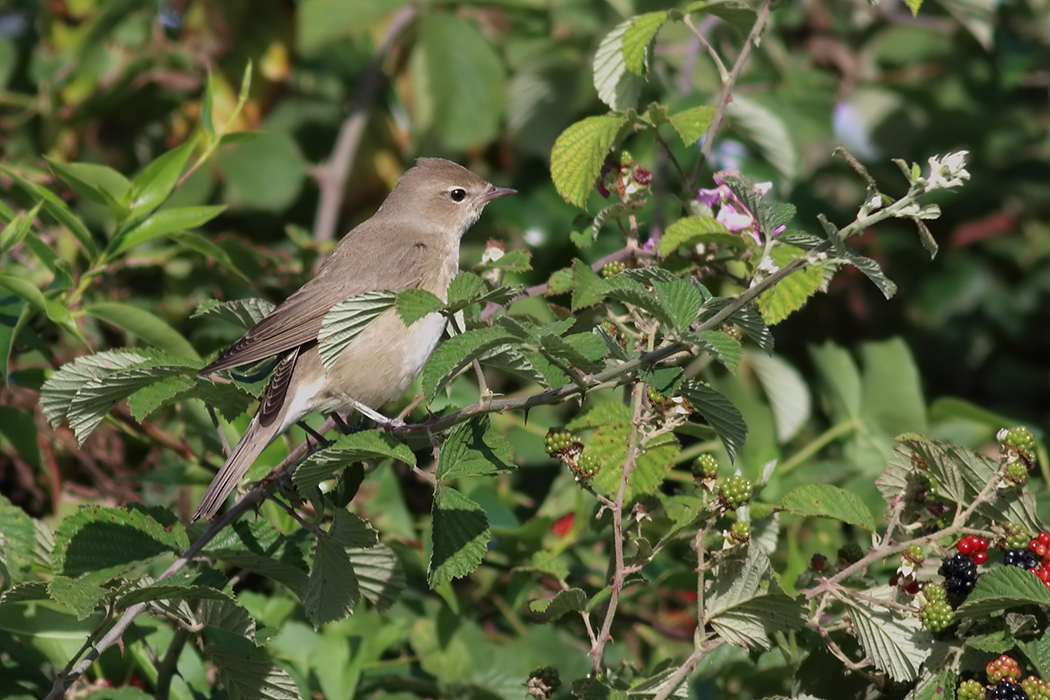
458	194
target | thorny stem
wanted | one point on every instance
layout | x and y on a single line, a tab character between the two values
598	650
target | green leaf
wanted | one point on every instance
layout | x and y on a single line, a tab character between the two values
1002	588
146	326
638	37
474	448
550	609
348	319
791	292
579	152
897	644
682	301
458	81
19	428
86	389
148	399
824	500
458	352
914	6
510	261
243	313
617	87
211	252
694	230
586	286
332	591
692	123
610	444
247	673
28	292
892	388
58	209
153	185
380	575
459	536
723	347
414	304
1038	652
18	228
164	223
165	590
768	131
348	449
96	545
719	412
265	174
96	183
624	288
20	540
208	106
873	272
236	138
841	379
786	390
736	14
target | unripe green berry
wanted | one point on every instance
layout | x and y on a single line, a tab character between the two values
970	690
588	465
558	440
1019	437
655	397
914	554
937	615
705	466
1016	536
611	269
934	591
740	531
1017	472
735	491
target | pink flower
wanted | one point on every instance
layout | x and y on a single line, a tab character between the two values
732	213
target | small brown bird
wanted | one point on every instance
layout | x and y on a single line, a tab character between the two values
411	242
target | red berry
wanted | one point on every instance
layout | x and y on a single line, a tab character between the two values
913	588
982	544
964	545
1044	537
979	557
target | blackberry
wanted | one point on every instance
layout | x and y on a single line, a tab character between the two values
1021	558
1008	690
960	573
851	552
735	491
970	690
937	615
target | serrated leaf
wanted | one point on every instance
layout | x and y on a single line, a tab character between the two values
896	644
164	223
380	575
145	325
148	399
722	346
464	289
332	592
653	461
97	544
692	123
456	353
591	689
578	154
768	131
243	313
459	536
560	349
414	304
1038	652
873	272
616	86
17	544
793	291
510	261
694	230
636	39
347	320
58	209
654	685
1001	588
682	301
586	286
560	282
356	447
736	14
165	590
248	674
474	448
629	291
550	609
824	500
719	412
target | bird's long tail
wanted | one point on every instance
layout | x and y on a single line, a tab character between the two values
253	442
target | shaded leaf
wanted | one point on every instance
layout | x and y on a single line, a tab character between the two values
145	325
719	412
459	536
579	152
474	448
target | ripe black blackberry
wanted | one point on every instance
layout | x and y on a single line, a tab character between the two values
1021	558
960	573
1008	690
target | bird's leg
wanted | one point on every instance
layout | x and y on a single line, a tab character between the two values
344	427
418	399
380	420
314	434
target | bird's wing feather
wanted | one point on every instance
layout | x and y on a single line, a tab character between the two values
345	274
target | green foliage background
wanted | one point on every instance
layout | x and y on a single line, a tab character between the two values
960	351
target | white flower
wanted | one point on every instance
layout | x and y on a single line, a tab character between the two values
947	172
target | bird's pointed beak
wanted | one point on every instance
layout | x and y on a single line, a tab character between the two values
495	192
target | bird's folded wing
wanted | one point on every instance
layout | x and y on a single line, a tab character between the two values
297	321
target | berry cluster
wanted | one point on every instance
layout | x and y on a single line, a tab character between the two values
740	531
1015	536
974	547
1039	548
1021	558
1036	688
1003	667
937	614
611	269
1008	690
970	690
563	445
1017	447
960	574
1004	683
735	491
559	440
705	467
914	554
1019	438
